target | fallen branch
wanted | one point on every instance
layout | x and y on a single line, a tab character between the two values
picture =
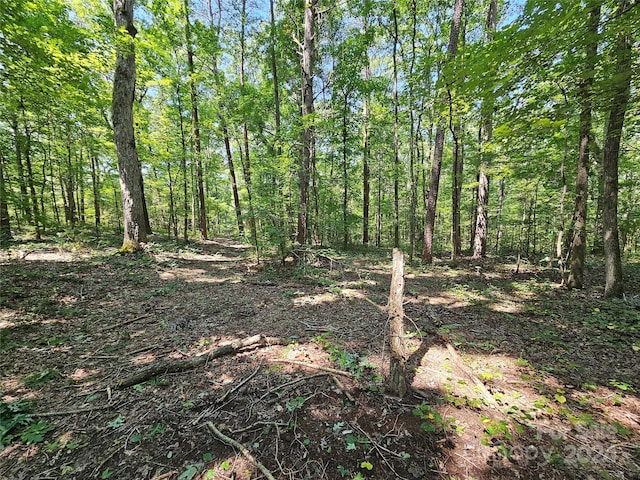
231	442
174	365
71	412
311	365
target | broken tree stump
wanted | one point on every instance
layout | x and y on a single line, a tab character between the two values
399	354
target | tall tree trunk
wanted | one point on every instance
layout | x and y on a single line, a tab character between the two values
24	196
499	228
195	126
579	243
274	74
432	198
30	179
308	138
69	183
232	177
246	164
456	191
173	216
621	83
124	81
486	133
183	168
95	182
366	154
396	138
5	219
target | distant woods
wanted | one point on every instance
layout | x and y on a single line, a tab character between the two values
446	129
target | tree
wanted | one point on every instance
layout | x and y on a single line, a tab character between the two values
579	243
438	149
195	125
486	133
122	113
307	158
621	86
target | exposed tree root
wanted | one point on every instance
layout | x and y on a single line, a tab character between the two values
174	366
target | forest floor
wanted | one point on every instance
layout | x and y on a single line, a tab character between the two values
511	376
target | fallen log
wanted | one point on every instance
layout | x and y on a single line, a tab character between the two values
182	365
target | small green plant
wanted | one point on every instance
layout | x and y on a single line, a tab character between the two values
116	422
35	432
39	379
295	403
432	418
14	417
191	471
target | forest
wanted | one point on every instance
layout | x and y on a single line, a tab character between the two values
191	185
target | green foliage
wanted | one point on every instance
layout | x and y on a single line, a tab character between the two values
42	378
14	418
433	421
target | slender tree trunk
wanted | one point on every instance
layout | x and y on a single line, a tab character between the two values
274	74
173	216
614	286
366	154
579	243
69	182
499	228
30	179
195	126
486	133
124	81
246	165
5	219
456	191
396	137
345	177
24	196
308	137
432	200
95	182
183	167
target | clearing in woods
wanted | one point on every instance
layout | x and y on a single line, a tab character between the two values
277	371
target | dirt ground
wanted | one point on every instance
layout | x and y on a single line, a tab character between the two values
511	376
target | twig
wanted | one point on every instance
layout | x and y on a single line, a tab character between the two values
311	365
293	382
237	387
230	441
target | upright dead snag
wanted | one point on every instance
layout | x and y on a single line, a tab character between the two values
397	382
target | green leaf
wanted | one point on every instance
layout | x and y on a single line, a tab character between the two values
106	473
366	465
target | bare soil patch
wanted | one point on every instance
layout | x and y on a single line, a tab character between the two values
540	382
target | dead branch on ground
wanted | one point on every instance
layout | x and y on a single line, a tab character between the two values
174	365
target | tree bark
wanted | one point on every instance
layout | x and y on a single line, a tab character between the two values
307	158
579	242
246	165
195	126
124	81
432	196
5	219
397	382
614	286
396	137
486	133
